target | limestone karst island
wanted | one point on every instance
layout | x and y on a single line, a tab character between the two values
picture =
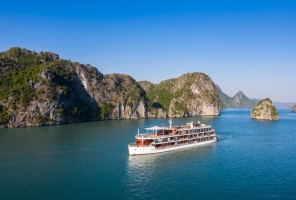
265	110
43	89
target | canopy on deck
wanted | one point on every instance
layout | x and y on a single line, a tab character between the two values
154	128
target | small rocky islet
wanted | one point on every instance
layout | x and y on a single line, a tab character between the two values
264	110
294	108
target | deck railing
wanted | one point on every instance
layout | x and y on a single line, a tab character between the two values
145	135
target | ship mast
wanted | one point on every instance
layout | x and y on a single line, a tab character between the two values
170	121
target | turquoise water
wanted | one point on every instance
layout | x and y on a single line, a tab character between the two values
252	160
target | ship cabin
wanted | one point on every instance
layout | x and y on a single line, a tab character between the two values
143	140
194	131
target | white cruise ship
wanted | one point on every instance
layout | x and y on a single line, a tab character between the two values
161	139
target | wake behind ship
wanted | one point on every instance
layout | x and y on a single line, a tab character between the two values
162	139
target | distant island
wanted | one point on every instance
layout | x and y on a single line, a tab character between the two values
288	106
265	110
240	100
294	108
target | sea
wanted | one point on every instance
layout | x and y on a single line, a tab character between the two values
252	159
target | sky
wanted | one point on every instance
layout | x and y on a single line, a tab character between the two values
247	46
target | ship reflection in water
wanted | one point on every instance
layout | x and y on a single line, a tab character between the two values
170	158
147	169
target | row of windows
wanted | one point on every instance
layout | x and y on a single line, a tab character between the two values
190	141
196	130
180	138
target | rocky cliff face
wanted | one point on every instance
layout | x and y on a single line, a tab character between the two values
125	96
191	94
42	89
46	90
146	85
294	108
265	110
154	110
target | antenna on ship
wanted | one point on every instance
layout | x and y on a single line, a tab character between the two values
171	121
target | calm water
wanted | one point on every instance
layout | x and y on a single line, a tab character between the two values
252	160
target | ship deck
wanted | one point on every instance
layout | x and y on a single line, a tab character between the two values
177	132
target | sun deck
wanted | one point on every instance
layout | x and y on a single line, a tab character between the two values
162	132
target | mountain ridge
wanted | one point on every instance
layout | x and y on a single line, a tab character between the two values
239	100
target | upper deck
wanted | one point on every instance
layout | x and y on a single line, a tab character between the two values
168	131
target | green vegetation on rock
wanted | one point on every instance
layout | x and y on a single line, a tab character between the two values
184	94
24	67
21	83
4	115
106	110
164	92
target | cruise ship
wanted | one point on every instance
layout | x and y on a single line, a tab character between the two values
161	139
